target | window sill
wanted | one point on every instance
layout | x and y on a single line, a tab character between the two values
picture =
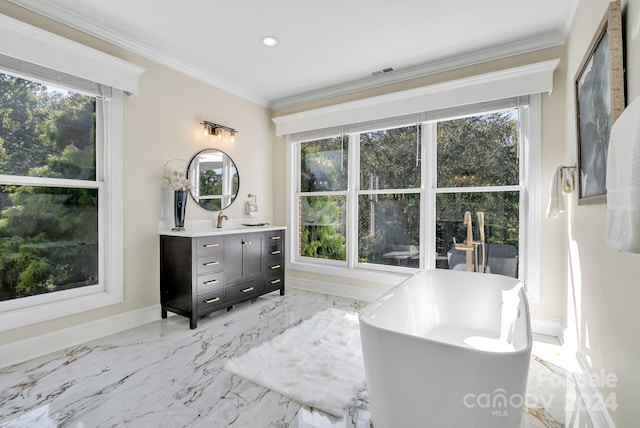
56	309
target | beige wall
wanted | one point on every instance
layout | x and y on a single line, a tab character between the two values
604	284
161	123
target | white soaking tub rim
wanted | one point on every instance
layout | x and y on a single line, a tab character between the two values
364	316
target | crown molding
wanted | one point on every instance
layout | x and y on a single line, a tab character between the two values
446	64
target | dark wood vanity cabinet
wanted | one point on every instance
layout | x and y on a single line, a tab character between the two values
199	275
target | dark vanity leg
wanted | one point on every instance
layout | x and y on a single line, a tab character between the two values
282	290
163	313
193	322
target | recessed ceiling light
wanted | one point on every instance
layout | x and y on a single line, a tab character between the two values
269	41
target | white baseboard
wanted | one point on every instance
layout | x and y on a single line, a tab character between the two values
335	289
598	413
23	350
548	326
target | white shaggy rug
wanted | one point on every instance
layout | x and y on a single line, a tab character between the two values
317	363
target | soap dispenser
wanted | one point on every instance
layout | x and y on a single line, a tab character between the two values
251	207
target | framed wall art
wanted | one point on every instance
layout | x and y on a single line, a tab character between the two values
600	99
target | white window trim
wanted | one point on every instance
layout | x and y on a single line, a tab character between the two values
34	45
40	47
513	82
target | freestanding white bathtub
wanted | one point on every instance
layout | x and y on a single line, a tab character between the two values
447	349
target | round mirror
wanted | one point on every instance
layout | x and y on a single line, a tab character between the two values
214	179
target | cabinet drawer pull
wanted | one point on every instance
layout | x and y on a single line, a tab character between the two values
213	281
246	290
274	267
275	237
274	281
275	252
210	263
211	245
246	243
215	299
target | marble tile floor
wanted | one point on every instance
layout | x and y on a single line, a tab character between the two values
163	374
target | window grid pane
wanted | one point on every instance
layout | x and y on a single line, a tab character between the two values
49	239
480	150
494	247
389	229
324	165
389	159
322	227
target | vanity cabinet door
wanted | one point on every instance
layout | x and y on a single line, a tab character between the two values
243	257
233	258
253	257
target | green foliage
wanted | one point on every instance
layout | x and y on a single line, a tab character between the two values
482	149
323	229
210	182
324	165
478	151
472	152
48	235
388	222
389	156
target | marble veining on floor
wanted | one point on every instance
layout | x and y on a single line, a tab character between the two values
163	374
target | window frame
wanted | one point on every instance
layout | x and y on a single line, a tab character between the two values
528	188
68	59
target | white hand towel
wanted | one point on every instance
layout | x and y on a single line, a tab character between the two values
623	181
556	201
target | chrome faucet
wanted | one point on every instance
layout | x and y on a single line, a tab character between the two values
221	217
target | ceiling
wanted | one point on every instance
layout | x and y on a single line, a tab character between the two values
326	47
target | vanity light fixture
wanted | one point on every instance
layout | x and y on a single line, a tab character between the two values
211	128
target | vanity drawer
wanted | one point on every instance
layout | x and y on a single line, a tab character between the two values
209	245
210	301
242	291
210	263
210	282
273	252
272	283
273	237
273	266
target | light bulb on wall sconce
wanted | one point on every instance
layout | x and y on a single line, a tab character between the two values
211	128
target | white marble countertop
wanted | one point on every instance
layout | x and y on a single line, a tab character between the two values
207	228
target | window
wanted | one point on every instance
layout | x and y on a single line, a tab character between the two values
477	95
72	173
55	200
389	197
322	199
478	173
392	197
